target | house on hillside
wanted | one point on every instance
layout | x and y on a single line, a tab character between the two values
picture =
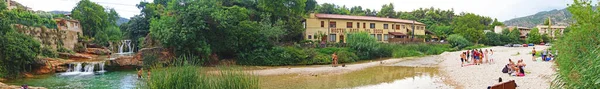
552	30
334	28
66	33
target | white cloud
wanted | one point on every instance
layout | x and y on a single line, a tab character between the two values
501	9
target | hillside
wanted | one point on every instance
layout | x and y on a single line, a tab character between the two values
119	22
559	17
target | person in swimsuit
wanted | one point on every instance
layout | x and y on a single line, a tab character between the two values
462	59
533	54
520	66
335	59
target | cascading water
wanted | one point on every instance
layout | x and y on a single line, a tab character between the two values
123	44
101	65
84	68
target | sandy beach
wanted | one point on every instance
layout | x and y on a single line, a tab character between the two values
538	76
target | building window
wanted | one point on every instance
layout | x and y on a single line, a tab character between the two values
379	37
364	25
403	27
373	35
322	23
332	24
372	25
309	36
385	37
357	25
332	37
422	28
348	24
397	26
385	26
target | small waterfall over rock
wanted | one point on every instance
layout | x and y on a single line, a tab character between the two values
84	68
123	44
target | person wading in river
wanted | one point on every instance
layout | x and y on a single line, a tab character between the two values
140	73
334	57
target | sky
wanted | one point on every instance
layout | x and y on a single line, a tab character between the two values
501	9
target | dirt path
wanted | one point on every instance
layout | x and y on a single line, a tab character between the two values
324	69
481	76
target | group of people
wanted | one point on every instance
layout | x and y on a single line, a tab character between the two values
546	55
514	69
477	56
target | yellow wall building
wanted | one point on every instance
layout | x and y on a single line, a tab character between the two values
335	27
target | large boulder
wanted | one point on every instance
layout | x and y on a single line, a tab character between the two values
126	61
162	55
98	51
51	65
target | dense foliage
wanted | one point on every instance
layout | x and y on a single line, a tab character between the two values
227	28
365	45
18	52
534	36
578	57
458	41
97	22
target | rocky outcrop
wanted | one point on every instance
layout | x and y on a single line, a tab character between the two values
163	55
126	61
51	65
4	86
74	56
98	51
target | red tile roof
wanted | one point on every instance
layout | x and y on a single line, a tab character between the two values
335	16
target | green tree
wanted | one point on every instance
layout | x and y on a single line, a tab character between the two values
495	23
534	36
458	41
92	16
441	31
515	35
387	10
546	38
357	10
469	26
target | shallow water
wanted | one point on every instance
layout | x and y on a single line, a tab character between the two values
386	77
109	80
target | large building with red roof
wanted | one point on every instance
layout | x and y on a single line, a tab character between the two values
333	27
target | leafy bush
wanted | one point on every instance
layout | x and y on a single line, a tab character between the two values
366	46
494	39
64	50
191	77
18	53
578	49
458	41
346	57
48	52
79	48
406	53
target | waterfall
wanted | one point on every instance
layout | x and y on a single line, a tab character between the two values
101	65
123	44
83	68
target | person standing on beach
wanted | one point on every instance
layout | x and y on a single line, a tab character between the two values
467	55
544	54
334	57
463	59
533	54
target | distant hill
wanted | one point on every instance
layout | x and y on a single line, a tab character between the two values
559	17
119	22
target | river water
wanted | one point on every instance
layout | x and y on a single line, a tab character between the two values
393	76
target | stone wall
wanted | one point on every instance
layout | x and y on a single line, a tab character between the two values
51	37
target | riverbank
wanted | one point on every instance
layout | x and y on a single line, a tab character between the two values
324	69
4	86
538	74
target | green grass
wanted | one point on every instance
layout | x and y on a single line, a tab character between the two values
192	77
